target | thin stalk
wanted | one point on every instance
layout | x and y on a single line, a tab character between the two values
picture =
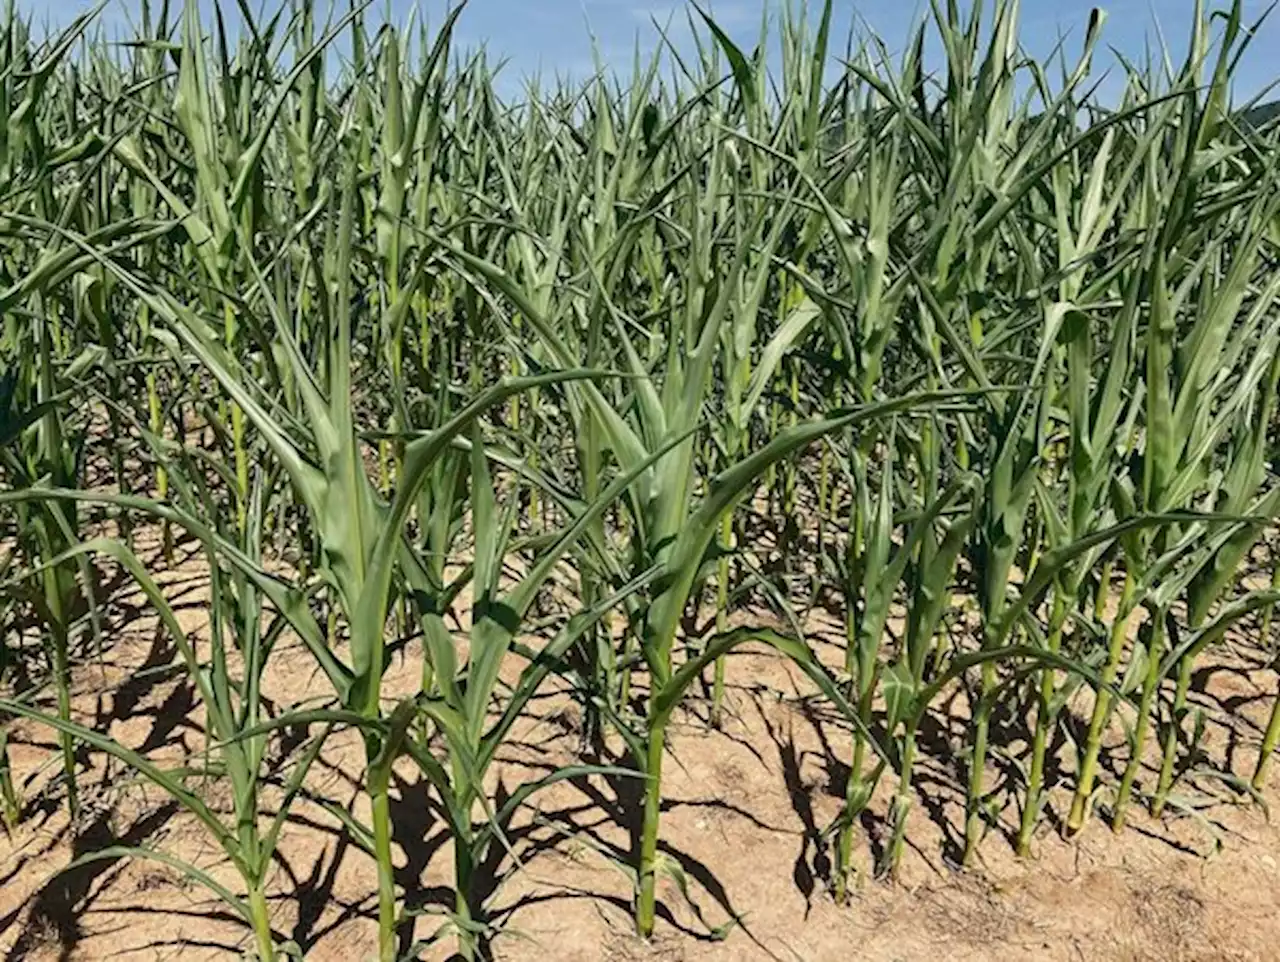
463	880
857	794
624	681
10	802
260	915
384	466
1270	741
1185	671
1269	610
646	904
722	614
55	578
1044	722
381	804
598	643
237	431
1151	685
156	424
1104	589
855	552
62	680
977	773
1101	711
902	801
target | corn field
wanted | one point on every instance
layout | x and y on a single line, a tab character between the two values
587	391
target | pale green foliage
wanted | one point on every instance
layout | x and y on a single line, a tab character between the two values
379	339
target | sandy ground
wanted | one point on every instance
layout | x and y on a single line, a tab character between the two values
743	811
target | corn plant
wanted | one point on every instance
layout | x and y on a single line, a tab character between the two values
991	355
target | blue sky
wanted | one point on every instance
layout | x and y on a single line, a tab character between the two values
556	35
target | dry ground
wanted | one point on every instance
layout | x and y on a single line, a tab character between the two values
744	807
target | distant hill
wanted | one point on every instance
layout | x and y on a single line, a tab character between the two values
1261	115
